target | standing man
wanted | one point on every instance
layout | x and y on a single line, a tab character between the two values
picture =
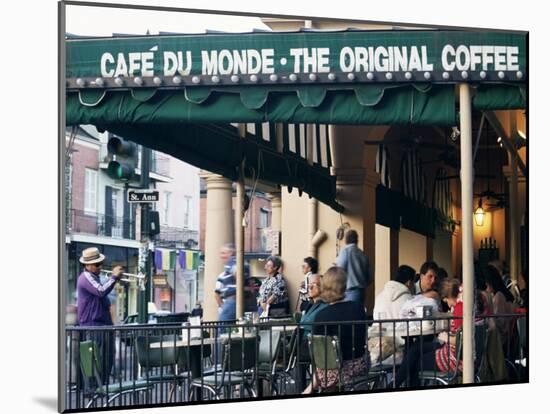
356	264
94	305
226	286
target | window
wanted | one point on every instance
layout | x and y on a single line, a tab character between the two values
187	212
166	207
264	218
90	191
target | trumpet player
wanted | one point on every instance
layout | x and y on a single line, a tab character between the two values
93	304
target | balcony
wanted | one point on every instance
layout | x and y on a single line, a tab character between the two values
177	238
81	222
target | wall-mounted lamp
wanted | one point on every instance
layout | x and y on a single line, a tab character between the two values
479	214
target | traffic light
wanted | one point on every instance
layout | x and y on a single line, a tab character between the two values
124	160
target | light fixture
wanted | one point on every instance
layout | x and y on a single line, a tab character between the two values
389	76
479	214
522	134
331	77
370	76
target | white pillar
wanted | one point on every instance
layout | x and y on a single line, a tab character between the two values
239	234
466	173
276	204
312	226
219	230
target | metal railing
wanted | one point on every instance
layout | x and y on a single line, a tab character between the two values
101	225
175	364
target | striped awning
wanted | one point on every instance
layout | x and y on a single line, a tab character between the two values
442	200
413	182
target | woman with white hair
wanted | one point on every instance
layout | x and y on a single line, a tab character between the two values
352	331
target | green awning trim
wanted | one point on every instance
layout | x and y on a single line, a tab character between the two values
500	96
361	105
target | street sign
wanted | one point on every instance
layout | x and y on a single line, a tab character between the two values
143	196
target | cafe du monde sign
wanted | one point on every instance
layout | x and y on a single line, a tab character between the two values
297	58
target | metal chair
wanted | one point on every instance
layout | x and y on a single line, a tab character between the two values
158	359
238	363
268	352
91	372
444	378
481	343
326	354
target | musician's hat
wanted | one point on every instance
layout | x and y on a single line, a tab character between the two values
91	255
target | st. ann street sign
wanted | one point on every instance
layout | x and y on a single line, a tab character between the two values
143	196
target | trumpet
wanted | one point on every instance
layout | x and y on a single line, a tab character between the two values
128	275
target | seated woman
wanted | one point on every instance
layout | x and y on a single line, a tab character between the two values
436	355
503	303
352	335
273	295
315	306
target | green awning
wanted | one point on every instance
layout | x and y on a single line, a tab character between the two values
395	210
177	94
219	149
500	96
421	104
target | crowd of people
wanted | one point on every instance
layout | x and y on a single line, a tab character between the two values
338	295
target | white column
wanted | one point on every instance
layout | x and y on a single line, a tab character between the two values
219	230
312	226
276	204
239	234
466	173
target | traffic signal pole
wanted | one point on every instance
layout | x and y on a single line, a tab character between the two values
144	294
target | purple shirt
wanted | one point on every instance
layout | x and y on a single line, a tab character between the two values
93	303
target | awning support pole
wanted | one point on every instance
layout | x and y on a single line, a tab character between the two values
466	173
239	233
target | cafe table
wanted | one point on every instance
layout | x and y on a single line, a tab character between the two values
196	348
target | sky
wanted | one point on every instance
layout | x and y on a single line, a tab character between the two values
99	21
